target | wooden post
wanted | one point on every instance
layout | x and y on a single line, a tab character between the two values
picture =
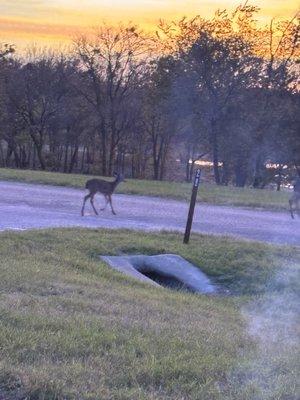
192	207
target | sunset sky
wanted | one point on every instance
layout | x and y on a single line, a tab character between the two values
49	22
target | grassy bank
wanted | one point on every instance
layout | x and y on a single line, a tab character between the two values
71	328
208	193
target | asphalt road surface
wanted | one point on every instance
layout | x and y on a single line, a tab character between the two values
25	206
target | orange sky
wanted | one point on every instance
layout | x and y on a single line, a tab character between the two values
54	22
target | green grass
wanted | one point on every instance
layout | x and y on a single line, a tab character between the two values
71	328
208	193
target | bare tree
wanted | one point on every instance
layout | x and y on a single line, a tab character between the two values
111	63
37	90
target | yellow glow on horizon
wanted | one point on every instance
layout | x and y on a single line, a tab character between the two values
57	21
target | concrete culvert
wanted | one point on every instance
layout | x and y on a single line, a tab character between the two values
168	270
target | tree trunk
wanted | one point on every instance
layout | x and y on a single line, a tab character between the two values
66	158
29	156
12	150
240	177
132	166
257	179
215	153
82	159
240	171
279	180
192	167
2	156
162	168
187	169
111	159
155	158
73	159
155	169
103	143
34	157
39	151
88	159
9	152
216	163
23	157
188	165
225	174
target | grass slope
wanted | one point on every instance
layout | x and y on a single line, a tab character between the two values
71	328
208	193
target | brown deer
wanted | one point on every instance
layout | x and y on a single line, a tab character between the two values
294	200
104	187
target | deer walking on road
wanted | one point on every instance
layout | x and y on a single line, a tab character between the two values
294	201
104	187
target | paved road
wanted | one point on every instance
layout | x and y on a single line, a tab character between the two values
24	206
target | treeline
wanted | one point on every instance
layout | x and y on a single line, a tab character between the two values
222	89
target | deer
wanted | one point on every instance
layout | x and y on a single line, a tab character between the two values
294	200
104	187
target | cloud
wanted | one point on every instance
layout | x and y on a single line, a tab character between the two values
21	3
23	32
34	19
32	9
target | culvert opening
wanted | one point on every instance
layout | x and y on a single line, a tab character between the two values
166	281
165	270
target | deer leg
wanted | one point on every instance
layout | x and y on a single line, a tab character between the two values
106	202
111	206
291	208
92	203
83	205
